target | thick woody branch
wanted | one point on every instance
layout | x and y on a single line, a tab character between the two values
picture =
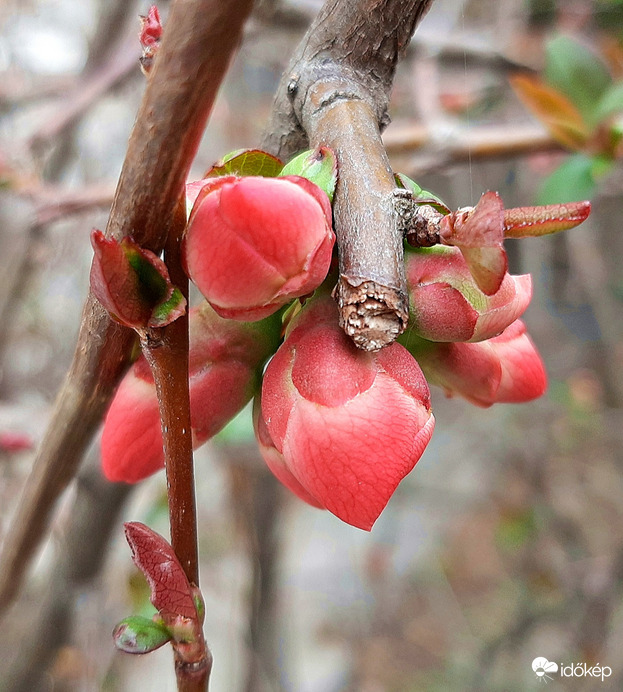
198	42
371	290
335	93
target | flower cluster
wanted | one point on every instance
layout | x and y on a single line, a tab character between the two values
339	426
466	342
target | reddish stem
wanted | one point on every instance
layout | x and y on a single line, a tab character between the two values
166	351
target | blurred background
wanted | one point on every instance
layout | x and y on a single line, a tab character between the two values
505	544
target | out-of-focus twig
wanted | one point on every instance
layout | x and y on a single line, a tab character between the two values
417	149
484	141
80	552
257	504
87	91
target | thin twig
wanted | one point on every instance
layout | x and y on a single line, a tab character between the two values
415	149
87	92
173	394
166	350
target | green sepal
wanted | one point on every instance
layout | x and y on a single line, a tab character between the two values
318	166
415	344
140	635
243	162
420	196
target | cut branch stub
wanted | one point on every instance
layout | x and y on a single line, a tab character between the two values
371	290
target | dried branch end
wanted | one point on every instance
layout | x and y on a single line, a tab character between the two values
371	314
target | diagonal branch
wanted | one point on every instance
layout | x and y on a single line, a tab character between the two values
198	42
335	92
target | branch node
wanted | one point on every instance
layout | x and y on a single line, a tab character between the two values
424	230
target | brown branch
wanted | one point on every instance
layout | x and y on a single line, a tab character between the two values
335	93
201	36
371	291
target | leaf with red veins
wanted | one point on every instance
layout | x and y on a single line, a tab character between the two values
171	592
133	284
479	235
524	222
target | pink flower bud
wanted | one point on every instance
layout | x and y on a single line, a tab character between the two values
274	458
224	367
253	244
342	427
447	305
504	369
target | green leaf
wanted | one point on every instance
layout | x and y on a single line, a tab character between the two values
139	635
246	162
573	181
318	166
578	73
421	196
610	103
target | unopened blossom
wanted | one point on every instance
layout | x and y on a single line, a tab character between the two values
343	427
274	458
253	244
504	369
447	305
225	361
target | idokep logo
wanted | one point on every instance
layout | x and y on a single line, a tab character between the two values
544	669
583	670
